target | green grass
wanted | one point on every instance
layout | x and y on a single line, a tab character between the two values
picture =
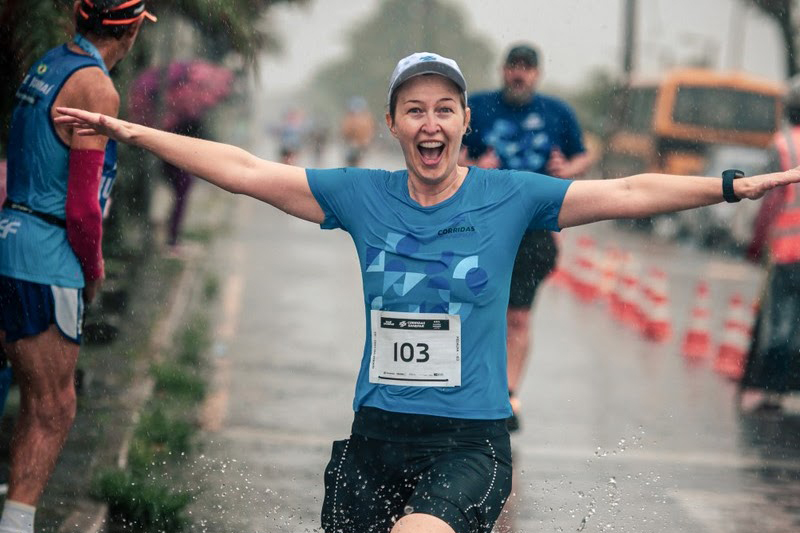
140	496
211	287
144	504
194	341
178	382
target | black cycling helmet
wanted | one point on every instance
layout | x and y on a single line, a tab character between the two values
110	17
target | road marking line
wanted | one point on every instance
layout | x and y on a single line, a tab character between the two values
722	512
215	408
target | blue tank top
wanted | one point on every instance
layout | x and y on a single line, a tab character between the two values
38	166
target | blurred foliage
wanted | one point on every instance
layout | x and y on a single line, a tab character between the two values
222	29
227	25
783	12
29	28
397	29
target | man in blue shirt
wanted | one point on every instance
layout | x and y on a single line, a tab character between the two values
517	128
51	259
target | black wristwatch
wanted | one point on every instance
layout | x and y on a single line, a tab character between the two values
727	184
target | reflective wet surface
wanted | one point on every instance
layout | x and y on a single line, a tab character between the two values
619	433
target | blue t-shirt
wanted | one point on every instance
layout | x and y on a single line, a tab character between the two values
522	136
38	167
455	257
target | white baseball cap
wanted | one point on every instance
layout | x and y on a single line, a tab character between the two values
426	63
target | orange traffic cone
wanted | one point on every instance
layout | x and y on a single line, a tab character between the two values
736	339
584	276
697	342
609	273
658	321
560	276
628	307
615	294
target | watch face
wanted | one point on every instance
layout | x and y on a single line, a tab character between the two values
733	173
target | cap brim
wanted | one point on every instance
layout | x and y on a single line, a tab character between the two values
430	67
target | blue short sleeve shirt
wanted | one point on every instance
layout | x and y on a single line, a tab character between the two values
522	136
455	257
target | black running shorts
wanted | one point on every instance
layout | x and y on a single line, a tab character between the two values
456	470
536	258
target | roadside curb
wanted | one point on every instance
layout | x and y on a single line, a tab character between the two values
91	516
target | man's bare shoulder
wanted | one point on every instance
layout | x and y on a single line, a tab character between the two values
91	89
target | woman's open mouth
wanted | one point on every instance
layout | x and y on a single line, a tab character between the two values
431	152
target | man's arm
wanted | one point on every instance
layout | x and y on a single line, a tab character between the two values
91	88
570	159
487	159
559	166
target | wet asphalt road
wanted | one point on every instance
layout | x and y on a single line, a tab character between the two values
619	434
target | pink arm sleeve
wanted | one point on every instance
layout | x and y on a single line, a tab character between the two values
84	219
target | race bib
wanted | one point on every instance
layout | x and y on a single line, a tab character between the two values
415	349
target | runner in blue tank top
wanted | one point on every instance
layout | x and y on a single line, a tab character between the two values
51	261
429	449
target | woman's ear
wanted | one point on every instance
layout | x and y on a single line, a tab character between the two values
390	125
467	119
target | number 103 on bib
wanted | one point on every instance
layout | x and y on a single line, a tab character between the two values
415	349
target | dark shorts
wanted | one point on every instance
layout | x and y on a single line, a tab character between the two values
536	258
27	309
460	476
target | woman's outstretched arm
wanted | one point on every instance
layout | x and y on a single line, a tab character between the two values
224	165
644	195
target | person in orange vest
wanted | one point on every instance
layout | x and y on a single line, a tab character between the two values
774	364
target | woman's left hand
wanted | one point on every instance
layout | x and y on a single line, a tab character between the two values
754	187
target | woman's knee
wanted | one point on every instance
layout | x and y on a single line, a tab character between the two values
421	523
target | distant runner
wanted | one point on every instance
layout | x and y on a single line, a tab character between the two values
519	129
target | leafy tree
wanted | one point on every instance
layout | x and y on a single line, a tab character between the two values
783	11
29	28
399	28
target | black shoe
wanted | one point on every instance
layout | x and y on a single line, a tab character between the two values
768	407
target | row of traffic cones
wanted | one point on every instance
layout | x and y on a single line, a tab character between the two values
614	277
642	304
737	332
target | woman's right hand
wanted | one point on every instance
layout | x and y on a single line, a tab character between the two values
88	123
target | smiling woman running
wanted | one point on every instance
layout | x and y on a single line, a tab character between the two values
429	449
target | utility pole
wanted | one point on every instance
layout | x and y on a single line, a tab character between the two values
736	35
620	97
629	40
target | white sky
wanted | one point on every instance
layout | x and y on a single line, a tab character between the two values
575	36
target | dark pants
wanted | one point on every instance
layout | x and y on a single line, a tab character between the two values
775	364
181	183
